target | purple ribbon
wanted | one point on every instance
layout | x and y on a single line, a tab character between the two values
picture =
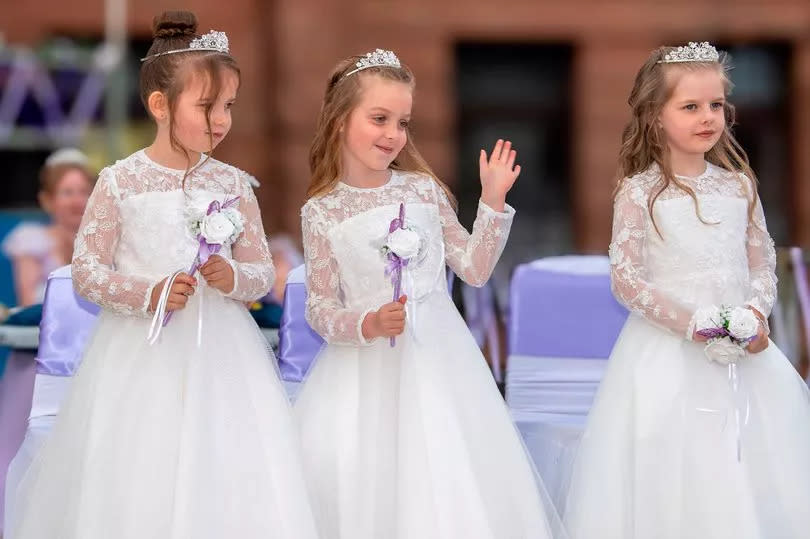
67	321
205	249
395	262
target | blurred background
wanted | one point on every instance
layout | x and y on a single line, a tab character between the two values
552	76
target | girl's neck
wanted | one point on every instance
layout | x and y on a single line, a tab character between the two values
364	178
162	153
689	165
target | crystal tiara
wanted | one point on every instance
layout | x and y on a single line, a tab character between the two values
378	58
694	52
212	41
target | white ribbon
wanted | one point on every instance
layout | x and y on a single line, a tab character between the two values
160	309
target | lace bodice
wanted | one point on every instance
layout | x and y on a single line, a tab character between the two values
134	232
691	264
345	230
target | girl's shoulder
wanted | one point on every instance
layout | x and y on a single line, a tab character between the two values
244	180
421	184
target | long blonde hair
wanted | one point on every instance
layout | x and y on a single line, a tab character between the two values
644	142
341	97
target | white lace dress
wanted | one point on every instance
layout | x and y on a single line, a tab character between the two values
659	454
169	441
414	441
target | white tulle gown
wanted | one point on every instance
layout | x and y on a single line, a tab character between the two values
414	441
174	440
659	454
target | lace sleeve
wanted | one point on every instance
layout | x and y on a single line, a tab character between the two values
325	310
94	275
628	274
253	270
473	256
761	263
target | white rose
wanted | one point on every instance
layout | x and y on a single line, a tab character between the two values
216	228
403	242
708	317
236	218
723	351
743	323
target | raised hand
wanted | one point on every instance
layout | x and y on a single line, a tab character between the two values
498	174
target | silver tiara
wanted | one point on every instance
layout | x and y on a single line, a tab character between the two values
378	58
212	41
694	52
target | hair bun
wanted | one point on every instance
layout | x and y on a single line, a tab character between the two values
170	24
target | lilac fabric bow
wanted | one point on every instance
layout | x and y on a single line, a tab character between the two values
205	249
395	262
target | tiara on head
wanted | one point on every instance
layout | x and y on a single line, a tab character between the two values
212	41
694	52
378	58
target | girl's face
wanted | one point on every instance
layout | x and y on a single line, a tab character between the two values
66	203
693	119
190	126
376	129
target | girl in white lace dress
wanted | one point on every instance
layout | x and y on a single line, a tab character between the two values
190	437
678	446
405	434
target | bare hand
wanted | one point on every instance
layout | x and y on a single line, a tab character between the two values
182	289
498	174
218	274
388	321
761	341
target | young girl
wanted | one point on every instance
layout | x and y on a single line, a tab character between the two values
678	445
405	434
191	436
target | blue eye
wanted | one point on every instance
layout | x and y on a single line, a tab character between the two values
691	106
717	105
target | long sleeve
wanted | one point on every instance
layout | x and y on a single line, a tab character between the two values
628	275
325	311
761	263
252	264
94	275
473	256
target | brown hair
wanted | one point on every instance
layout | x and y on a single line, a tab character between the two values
51	175
342	94
644	142
168	74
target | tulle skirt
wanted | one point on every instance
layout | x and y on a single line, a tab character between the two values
676	447
415	441
175	440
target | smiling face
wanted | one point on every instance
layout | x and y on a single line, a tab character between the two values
376	129
693	118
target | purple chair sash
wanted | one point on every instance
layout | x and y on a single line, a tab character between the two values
298	342
561	314
67	321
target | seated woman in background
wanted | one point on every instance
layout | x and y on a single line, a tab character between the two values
36	249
